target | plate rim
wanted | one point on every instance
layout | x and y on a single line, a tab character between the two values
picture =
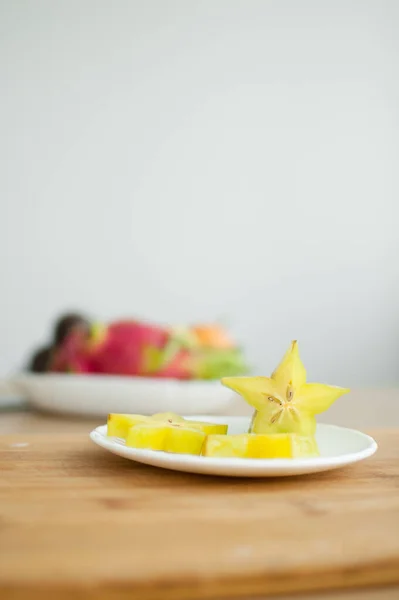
252	464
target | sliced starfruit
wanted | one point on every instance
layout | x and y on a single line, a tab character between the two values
284	402
120	424
168	437
208	428
249	445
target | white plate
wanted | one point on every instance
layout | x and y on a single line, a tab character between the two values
98	395
338	447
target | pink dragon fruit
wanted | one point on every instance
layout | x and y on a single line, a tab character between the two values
121	348
130	348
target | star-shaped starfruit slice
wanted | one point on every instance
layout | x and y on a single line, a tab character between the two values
284	402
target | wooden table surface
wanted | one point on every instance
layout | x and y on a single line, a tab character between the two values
77	522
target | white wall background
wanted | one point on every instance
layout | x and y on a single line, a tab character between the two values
187	159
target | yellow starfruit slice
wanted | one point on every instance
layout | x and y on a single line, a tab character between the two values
120	424
284	402
168	437
278	445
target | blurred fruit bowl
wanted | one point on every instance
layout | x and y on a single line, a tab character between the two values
96	396
92	368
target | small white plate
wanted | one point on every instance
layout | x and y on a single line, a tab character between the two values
338	447
98	395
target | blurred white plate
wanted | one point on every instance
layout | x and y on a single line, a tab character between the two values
98	395
338	447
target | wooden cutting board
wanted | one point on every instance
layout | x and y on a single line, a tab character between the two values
77	522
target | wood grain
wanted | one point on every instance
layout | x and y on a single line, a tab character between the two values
77	521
